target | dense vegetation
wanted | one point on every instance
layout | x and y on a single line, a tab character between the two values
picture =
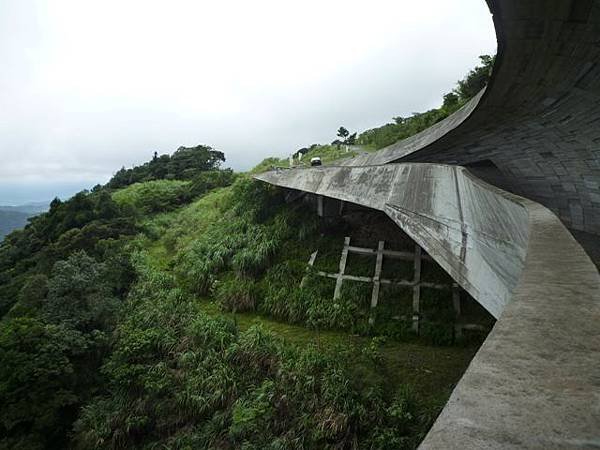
185	164
164	310
108	342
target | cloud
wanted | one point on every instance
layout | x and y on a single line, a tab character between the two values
91	86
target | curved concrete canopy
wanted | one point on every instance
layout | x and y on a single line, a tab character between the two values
535	131
476	232
538	122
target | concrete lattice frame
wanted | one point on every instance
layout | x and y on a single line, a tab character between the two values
535	382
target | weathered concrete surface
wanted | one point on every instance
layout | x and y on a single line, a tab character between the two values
535	383
538	123
417	142
475	231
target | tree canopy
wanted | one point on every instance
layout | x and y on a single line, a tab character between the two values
184	164
404	127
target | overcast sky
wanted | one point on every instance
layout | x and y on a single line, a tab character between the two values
89	86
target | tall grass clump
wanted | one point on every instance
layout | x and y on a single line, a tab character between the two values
237	294
246	239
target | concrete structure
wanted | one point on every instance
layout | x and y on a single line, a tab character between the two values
518	260
535	131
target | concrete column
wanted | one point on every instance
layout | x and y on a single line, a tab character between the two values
416	306
311	263
457	310
376	280
340	278
320	206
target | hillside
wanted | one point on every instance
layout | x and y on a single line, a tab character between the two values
174	307
169	313
401	128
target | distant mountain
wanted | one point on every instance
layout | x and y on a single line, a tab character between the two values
13	217
29	208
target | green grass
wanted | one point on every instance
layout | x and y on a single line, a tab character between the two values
329	154
269	164
432	371
397	269
360	265
330	251
152	196
396	299
176	229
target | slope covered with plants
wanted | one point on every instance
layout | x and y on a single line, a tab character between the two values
390	133
173	308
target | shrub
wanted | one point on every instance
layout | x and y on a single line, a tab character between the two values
40	382
153	196
209	180
246	239
237	294
178	378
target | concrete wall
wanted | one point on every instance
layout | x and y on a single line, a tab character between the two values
535	382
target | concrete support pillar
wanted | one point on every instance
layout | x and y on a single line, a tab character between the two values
376	280
457	310
417	290
340	278
328	207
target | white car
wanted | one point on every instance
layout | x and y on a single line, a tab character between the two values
315	161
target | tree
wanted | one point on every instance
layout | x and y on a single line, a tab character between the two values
451	100
184	164
476	79
343	133
40	385
78	295
351	139
187	162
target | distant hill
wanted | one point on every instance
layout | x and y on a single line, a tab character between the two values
13	217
